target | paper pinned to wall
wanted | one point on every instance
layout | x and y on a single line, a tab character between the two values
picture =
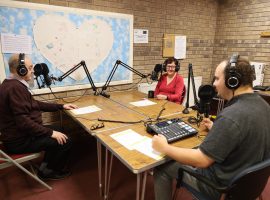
259	72
180	47
12	43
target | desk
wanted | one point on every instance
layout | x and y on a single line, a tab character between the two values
109	110
265	95
118	108
152	111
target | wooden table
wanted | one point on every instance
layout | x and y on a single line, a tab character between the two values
152	111
110	110
118	107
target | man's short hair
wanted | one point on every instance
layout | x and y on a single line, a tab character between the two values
13	62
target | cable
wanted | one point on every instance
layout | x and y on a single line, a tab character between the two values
123	122
66	100
132	87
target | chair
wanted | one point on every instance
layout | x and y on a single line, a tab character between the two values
183	95
7	160
247	185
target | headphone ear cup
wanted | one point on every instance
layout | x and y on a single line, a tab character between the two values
177	68
21	69
164	67
232	79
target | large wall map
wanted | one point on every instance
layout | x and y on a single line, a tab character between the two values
63	37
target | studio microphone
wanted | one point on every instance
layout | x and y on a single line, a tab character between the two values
42	69
156	71
205	93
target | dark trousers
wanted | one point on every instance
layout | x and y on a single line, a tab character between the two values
56	155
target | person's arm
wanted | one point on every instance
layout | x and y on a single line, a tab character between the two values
179	87
51	107
20	103
193	157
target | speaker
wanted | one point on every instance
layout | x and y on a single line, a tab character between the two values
232	77
171	60
21	69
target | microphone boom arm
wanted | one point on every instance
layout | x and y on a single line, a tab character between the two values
118	62
82	63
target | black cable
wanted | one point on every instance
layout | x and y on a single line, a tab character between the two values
132	87
117	121
66	100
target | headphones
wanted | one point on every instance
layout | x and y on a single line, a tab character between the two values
21	69
177	63
232	77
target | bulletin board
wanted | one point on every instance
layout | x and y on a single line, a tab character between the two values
62	37
174	46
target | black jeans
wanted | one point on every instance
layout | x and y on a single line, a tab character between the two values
56	155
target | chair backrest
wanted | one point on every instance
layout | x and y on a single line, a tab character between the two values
183	95
249	184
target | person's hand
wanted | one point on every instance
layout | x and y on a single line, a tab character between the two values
159	143
69	106
207	123
60	137
161	97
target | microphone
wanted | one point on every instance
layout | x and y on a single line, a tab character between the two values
206	93
155	73
42	69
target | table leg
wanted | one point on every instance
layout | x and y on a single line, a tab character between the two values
108	171
139	186
99	152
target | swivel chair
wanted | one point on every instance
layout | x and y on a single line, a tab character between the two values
248	184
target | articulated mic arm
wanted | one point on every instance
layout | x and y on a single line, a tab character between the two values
82	63
118	62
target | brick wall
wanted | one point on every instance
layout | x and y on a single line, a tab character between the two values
239	25
214	28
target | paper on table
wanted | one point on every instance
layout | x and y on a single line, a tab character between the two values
144	102
145	146
127	138
85	110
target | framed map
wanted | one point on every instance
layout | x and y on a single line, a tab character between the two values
62	37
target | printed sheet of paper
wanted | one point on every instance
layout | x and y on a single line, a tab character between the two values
145	146
142	103
127	138
85	110
134	141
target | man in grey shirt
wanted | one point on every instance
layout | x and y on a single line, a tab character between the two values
239	137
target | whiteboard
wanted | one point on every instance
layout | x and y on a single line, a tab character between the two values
62	37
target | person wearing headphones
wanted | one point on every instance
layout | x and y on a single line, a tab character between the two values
21	121
231	141
171	84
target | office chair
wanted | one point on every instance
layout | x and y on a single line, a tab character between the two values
7	160
248	184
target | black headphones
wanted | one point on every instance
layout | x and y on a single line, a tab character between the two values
21	69
177	63
232	77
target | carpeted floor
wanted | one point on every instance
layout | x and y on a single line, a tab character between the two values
83	183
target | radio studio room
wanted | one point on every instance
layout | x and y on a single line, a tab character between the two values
135	99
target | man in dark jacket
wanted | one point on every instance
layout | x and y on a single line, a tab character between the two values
21	121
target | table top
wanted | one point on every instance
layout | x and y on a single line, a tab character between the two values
133	159
151	111
110	110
